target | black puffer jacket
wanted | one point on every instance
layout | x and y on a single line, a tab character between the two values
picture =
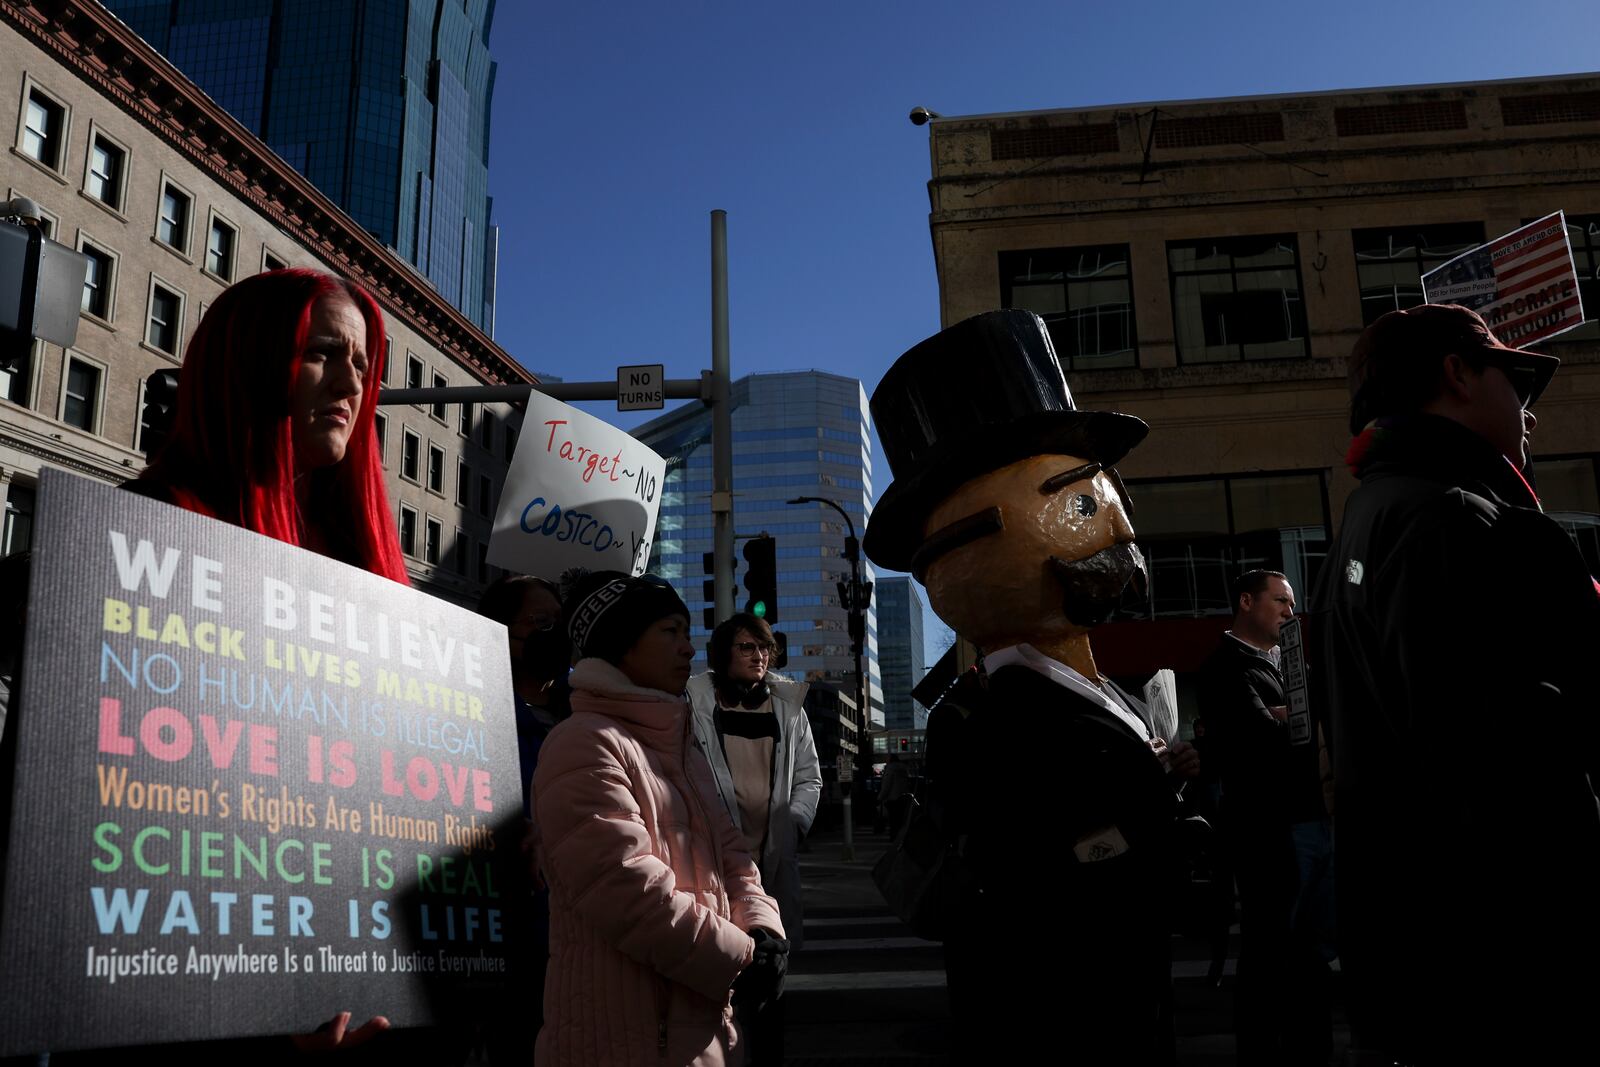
1266	781
1458	642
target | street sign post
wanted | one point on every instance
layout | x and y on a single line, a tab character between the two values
640	388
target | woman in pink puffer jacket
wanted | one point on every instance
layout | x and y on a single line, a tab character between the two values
656	911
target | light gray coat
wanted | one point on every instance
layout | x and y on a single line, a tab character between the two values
796	787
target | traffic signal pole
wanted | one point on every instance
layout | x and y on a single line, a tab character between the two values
721	421
855	600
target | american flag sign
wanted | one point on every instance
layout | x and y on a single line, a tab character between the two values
1523	284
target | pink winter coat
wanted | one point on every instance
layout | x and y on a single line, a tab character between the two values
651	890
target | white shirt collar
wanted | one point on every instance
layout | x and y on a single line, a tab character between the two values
1274	654
1026	655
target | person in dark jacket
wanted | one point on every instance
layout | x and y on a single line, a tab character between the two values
1457	642
1006	506
1270	789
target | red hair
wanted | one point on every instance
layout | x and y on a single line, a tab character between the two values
230	453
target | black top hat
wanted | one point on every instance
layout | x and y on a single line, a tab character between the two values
986	392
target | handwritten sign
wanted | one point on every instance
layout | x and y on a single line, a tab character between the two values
580	493
251	787
1523	283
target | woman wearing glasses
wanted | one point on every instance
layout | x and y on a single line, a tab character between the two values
752	724
656	909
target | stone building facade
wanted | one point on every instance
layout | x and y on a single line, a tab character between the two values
1208	264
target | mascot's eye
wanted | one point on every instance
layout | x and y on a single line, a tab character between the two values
1087	506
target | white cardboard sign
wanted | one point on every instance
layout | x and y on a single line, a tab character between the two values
580	493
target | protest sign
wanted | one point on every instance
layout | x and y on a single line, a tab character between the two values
251	787
580	493
1522	283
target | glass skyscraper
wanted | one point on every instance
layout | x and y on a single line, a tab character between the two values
382	104
801	434
900	652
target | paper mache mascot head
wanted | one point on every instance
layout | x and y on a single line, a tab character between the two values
1005	503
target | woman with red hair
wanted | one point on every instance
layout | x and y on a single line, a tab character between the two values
273	431
273	428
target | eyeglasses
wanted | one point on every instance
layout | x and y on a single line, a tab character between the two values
752	648
1523	379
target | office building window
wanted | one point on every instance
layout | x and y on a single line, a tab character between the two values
14	383
380	426
272	262
484	504
408	530
436	469
1569	489
463	483
511	442
466	420
410	455
1583	231
430	542
172	225
98	281
458	552
414	371
1390	263
486	429
107	164
44	128
1198	534
1084	295
483	561
388	359
219	249
1237	298
16	535
166	317
437	407
80	403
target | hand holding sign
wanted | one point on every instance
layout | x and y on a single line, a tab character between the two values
580	493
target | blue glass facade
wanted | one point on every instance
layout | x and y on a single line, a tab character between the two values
901	653
382	104
805	434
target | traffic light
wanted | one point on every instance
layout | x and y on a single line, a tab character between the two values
160	401
761	578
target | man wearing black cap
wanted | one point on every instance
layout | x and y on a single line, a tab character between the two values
1055	791
1457	633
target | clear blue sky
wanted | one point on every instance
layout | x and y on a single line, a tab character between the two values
618	127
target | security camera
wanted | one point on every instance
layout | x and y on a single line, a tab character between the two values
921	115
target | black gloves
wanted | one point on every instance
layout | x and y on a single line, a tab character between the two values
762	980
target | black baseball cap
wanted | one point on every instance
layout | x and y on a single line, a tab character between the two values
1394	364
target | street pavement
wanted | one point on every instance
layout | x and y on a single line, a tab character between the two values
865	991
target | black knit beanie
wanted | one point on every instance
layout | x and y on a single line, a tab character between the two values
607	611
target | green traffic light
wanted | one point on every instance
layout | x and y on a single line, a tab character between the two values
759	609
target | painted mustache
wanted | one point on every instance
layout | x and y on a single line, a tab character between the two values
1094	587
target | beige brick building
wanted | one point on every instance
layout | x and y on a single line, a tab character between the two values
172	200
1208	264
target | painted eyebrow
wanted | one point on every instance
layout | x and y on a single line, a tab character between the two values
953	536
1057	482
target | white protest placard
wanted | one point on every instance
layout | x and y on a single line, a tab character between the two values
580	493
1523	283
